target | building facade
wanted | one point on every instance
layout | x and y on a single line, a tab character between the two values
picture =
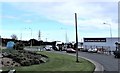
105	43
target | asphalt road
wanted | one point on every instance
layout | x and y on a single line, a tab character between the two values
108	61
0	61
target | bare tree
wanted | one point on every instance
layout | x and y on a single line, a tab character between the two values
14	36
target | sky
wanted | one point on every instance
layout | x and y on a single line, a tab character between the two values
55	19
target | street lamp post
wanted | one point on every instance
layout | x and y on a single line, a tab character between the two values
66	39
110	31
76	38
31	35
21	36
46	39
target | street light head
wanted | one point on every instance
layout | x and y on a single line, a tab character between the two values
104	23
107	23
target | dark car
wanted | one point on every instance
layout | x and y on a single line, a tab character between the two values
117	54
84	50
70	50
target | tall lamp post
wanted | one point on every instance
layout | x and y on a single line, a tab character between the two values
31	35
66	38
110	31
76	38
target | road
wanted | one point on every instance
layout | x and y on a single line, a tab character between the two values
108	61
0	61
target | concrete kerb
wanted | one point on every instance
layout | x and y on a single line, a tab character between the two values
98	66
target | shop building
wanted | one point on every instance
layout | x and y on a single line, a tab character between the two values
105	43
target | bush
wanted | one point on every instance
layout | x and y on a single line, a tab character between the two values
5	54
36	61
25	63
43	60
31	61
19	46
25	58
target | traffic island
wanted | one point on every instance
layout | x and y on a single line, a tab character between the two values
58	63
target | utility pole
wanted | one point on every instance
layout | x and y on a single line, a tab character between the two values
21	36
46	39
76	38
39	39
31	36
66	37
39	35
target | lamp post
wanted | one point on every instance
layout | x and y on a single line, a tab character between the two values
76	38
110	31
21	36
66	39
31	35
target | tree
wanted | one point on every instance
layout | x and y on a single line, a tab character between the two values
13	36
19	46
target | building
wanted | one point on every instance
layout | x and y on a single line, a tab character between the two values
105	43
34	42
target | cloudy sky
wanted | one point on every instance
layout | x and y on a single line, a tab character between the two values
56	18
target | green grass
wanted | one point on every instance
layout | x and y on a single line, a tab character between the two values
60	62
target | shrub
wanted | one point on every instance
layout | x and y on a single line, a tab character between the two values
36	61
5	54
25	58
25	63
8	62
31	61
43	60
19	46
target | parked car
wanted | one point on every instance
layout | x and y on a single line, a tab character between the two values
48	48
84	50
80	48
70	50
92	50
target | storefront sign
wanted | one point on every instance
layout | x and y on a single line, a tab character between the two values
94	39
